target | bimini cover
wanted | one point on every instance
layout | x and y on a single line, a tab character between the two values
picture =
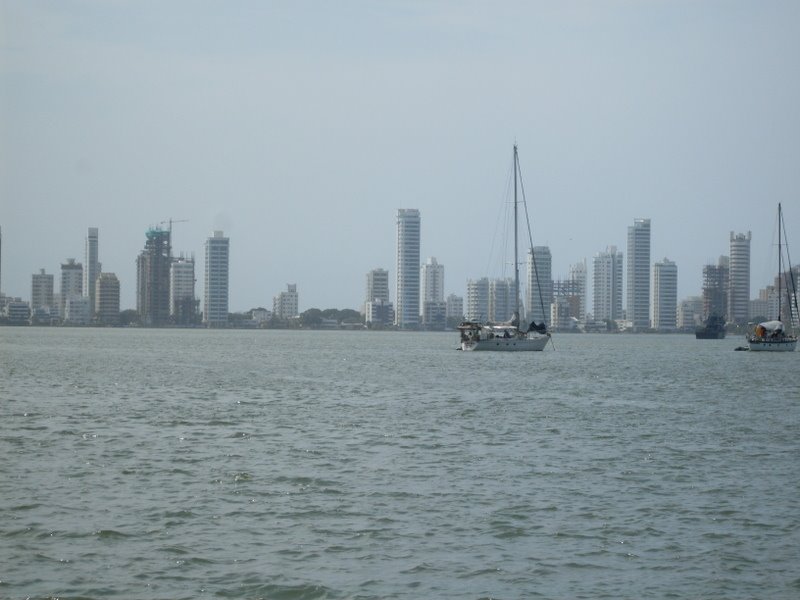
772	326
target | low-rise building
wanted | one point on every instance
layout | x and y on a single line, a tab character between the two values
286	304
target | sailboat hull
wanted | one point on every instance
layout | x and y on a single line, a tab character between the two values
499	344
766	345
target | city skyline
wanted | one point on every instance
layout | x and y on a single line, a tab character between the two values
296	129
74	283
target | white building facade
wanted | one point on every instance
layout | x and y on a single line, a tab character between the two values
432	274
378	310
665	295
91	266
478	299
71	283
607	285
408	268
539	295
76	310
286	305
455	307
107	299
690	313
215	300
181	290
638	292
501	300
739	278
377	285
41	290
578	275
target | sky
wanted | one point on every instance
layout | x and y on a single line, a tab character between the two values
299	128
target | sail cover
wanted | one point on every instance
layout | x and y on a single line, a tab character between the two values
771	326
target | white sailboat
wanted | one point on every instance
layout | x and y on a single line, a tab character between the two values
771	336
508	336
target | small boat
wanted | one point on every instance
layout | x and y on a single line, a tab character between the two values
713	329
771	336
508	336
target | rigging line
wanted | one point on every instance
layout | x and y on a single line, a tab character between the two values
530	240
793	295
501	224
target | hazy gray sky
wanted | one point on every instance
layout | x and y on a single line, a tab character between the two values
300	127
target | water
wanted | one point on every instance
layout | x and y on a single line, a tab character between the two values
268	464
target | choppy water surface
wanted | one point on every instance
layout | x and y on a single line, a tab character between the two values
264	464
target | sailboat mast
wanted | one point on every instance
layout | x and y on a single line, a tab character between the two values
516	258
780	265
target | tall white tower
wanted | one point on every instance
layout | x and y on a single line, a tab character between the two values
578	278
377	285
215	301
638	307
739	282
665	295
71	283
408	263
540	284
181	290
432	281
91	268
478	299
41	290
607	285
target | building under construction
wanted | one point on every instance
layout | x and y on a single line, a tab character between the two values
716	283
152	279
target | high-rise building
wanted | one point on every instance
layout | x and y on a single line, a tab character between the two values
152	278
562	317
182	305
739	286
377	285
434	315
286	304
501	300
578	276
540	284
716	282
432	281
478	299
567	295
106	298
408	263
638	306
215	302
76	311
455	307
377	308
378	312
91	267
71	283
665	295
41	290
788	283
690	313
607	285
434	308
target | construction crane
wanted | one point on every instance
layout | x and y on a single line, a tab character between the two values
170	222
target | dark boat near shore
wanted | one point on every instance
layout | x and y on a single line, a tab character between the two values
714	329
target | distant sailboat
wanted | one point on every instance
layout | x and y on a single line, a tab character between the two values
771	336
508	336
